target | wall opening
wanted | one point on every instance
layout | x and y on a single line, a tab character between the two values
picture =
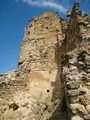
48	90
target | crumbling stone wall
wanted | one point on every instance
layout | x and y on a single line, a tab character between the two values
38	73
41	52
79	28
9	84
76	66
53	71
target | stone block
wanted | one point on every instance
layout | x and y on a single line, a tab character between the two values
88	108
72	93
79	108
73	99
87	117
73	84
76	118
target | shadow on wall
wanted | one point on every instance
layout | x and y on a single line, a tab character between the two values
58	92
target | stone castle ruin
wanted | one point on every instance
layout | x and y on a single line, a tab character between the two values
52	79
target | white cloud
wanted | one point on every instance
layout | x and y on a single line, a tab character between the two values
46	3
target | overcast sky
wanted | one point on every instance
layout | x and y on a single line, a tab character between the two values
14	17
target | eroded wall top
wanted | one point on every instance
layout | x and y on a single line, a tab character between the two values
40	39
78	32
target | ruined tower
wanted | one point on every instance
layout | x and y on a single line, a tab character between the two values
52	79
